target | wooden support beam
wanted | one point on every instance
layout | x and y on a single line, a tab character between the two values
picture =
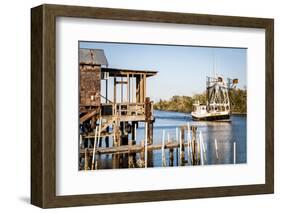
138	79
141	89
114	93
121	82
88	116
122	91
133	90
106	90
144	87
128	88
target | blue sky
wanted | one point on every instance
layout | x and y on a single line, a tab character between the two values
182	70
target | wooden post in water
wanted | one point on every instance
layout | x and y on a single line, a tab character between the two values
203	146
150	132
142	163
193	144
107	138
134	139
163	149
116	139
145	148
182	138
216	147
150	142
189	147
177	141
94	149
180	141
149	127
97	161
171	157
130	157
86	159
200	144
234	152
198	153
99	142
124	141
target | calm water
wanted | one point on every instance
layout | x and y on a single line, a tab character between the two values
224	132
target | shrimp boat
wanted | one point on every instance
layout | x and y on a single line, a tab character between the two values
217	107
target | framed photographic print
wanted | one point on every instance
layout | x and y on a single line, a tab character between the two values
137	106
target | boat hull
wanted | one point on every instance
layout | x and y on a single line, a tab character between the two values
224	117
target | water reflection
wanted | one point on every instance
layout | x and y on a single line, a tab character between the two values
225	133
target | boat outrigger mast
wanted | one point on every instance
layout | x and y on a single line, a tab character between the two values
218	106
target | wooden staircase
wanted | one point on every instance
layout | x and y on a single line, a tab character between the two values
88	115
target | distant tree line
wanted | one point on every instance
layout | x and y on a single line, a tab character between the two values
238	99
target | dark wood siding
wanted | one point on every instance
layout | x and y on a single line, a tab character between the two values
90	77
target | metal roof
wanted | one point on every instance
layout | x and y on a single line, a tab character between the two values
123	72
92	56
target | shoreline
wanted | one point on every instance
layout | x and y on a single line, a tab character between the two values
232	113
239	113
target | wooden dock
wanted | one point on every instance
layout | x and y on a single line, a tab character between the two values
132	148
190	150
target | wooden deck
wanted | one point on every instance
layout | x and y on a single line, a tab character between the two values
132	148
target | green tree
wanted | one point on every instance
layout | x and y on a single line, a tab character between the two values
177	103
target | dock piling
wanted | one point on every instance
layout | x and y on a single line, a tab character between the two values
189	146
216	147
145	152
86	159
163	150
171	151
194	147
201	148
94	149
182	138
234	152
